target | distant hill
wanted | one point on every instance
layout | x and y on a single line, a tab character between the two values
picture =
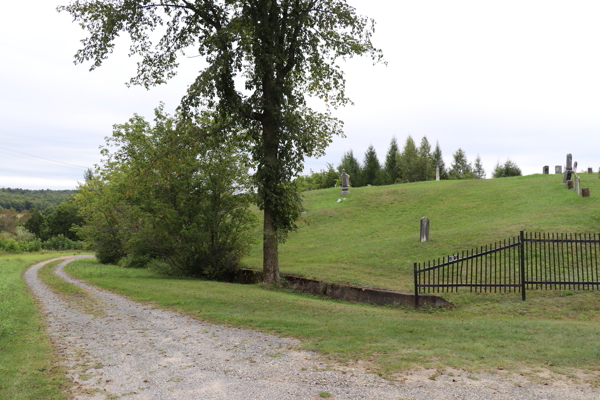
25	199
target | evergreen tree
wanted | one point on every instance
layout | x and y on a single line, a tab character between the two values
392	171
478	168
408	161
425	167
371	167
508	169
461	168
438	160
352	167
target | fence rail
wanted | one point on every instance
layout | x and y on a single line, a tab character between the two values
530	261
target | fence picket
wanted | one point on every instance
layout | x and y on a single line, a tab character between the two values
542	261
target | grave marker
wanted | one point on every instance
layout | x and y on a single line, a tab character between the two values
546	169
558	169
345	182
424	229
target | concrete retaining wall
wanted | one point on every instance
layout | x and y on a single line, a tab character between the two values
357	294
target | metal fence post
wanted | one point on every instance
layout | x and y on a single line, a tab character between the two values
522	265
416	286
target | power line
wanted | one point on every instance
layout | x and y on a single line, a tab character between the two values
7	173
59	163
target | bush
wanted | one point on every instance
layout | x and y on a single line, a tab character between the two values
134	261
61	242
10	246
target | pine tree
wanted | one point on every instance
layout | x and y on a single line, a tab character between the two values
425	168
478	168
371	167
352	167
438	160
461	168
392	171
409	161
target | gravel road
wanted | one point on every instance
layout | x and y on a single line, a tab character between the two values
124	349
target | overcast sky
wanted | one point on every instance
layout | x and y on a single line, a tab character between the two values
502	79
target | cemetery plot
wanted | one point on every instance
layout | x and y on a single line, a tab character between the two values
528	262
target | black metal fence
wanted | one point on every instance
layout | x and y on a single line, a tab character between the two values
529	261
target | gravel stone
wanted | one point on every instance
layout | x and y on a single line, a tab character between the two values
134	351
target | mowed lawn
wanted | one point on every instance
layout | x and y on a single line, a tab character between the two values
372	237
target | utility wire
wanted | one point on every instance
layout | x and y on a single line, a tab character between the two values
59	163
7	174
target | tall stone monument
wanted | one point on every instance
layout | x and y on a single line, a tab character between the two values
568	168
345	182
437	172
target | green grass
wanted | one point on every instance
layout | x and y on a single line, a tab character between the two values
372	238
28	368
75	295
483	333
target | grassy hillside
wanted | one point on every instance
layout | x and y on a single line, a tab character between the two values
372	238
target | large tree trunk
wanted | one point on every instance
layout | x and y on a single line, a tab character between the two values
270	253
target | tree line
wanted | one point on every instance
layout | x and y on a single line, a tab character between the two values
51	229
411	164
26	199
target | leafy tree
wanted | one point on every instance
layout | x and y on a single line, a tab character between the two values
371	167
61	221
331	176
461	168
35	222
478	168
509	168
173	191
408	161
438	160
392	172
263	58
353	168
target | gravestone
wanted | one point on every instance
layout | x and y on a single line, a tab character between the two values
590	170
437	172
577	186
558	169
585	192
424	229
569	184
546	169
567	176
569	162
575	166
345	182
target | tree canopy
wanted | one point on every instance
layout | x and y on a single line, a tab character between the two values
264	58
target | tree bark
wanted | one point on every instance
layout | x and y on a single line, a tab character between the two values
270	249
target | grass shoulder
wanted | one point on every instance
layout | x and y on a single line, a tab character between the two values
29	369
